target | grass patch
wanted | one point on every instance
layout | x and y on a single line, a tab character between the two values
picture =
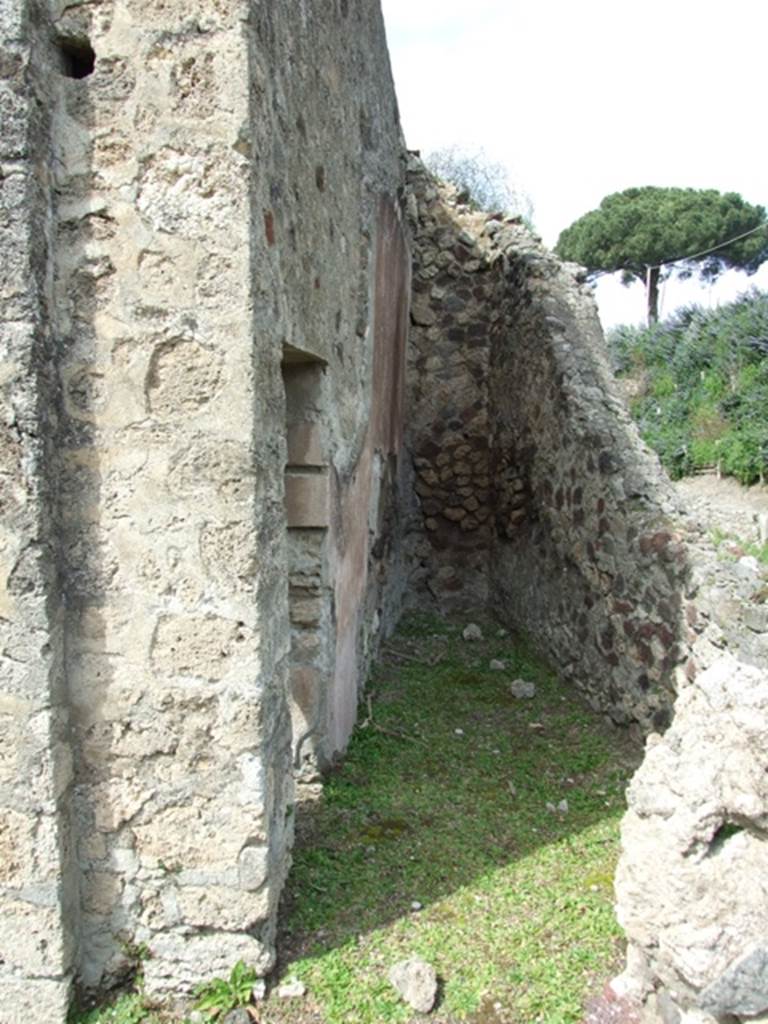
127	1008
441	805
434	838
734	546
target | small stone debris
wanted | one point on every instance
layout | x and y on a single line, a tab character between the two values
416	982
259	991
521	689
238	1016
497	665
291	989
536	726
472	632
459	732
747	566
512	788
561	808
416	906
612	1008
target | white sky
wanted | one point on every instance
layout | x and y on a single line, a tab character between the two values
581	99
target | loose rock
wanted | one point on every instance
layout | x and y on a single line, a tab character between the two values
522	690
238	1016
693	839
472	632
291	989
416	982
497	665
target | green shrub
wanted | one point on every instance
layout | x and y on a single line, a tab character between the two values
704	386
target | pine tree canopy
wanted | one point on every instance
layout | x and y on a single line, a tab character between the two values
650	227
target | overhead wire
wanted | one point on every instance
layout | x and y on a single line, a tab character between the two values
705	252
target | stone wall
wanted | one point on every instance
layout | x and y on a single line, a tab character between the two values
534	490
586	555
534	493
454	320
38	883
209	289
689	888
208	520
175	656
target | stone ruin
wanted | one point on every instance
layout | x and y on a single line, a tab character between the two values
265	384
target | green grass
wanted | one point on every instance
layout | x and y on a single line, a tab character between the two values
517	901
724	540
127	1008
442	800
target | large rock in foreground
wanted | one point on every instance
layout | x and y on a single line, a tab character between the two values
692	884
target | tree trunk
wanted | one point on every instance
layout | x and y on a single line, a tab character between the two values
652	294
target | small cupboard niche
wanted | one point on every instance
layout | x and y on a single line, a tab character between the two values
310	595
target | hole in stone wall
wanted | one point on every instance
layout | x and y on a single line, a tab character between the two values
726	831
78	58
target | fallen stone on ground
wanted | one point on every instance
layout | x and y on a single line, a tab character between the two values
690	882
472	632
521	689
612	1008
292	988
238	1016
416	982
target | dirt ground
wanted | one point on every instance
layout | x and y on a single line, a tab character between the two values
724	503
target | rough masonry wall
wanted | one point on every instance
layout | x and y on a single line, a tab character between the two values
534	490
197	201
455	318
589	562
587	551
690	886
170	520
38	885
331	272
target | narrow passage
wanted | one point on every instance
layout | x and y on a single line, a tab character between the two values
473	823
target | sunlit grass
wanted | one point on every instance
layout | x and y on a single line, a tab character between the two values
442	802
434	838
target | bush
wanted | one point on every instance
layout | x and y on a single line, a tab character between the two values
704	394
485	183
